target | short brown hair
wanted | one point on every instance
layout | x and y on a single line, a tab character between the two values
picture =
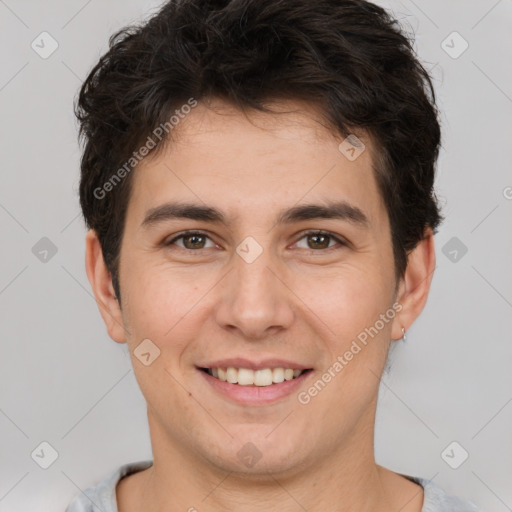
349	58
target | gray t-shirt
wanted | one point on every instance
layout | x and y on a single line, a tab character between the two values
102	497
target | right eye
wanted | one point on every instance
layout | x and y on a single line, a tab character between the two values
192	240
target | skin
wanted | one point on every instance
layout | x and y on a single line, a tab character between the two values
298	300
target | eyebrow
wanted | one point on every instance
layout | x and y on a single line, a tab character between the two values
331	210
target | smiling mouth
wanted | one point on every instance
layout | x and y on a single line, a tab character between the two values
259	378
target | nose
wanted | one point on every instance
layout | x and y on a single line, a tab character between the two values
255	300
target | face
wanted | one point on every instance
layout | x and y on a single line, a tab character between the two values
261	283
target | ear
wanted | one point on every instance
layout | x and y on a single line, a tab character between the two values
415	285
101	283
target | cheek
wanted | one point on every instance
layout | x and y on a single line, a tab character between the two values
158	299
160	307
346	300
349	306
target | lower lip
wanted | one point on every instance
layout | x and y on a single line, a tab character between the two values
256	395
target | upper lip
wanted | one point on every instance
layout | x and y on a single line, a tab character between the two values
241	362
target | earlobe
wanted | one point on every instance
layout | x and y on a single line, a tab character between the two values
101	283
415	285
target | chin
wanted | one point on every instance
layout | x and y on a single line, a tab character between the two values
257	451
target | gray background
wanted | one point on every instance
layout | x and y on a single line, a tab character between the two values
65	382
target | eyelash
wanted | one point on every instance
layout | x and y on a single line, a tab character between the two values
341	242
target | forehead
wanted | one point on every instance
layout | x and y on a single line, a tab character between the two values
255	162
288	122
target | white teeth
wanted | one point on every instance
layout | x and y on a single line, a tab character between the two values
247	377
278	375
263	377
232	375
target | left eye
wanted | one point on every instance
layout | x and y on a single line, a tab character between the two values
320	240
317	240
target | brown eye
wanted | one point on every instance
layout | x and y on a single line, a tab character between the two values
191	241
319	240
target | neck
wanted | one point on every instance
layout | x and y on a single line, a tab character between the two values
347	476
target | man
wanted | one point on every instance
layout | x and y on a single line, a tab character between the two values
257	178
